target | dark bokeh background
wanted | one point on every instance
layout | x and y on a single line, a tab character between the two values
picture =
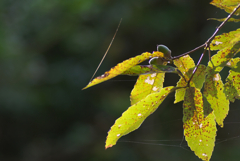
49	51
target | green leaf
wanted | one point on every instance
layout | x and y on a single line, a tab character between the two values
232	85
223	19
199	131
220	60
140	69
134	116
166	69
233	63
122	67
145	85
225	40
216	98
149	69
227	5
186	65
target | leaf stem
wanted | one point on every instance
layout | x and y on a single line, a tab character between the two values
191	51
207	43
195	69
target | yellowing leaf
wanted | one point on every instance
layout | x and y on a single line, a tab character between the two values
233	63
216	98
149	69
145	85
186	65
226	39
232	85
140	69
199	131
133	117
227	5
122	67
220	60
223	19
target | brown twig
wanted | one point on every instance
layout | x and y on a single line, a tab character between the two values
206	45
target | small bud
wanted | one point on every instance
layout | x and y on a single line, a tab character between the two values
156	61
165	50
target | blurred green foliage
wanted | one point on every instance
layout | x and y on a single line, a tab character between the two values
49	51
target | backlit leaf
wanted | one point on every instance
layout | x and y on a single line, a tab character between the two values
145	85
150	83
232	85
199	131
223	19
219	60
233	62
186	66
122	67
225	40
214	89
216	98
227	5
149	69
133	117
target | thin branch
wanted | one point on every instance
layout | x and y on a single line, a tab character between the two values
191	51
221	25
207	43
195	69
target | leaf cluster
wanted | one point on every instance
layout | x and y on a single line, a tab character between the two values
205	97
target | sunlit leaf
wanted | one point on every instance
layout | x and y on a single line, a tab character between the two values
186	65
219	60
227	5
122	67
223	19
139	70
145	85
225	40
199	131
216	98
214	88
232	85
149	69
233	62
133	117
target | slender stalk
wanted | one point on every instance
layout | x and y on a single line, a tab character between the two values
221	25
191	51
206	45
195	69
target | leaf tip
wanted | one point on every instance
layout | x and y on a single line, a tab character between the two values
108	146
